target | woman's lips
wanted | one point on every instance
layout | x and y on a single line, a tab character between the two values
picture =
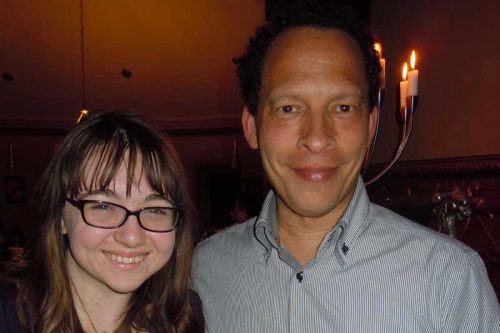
315	174
125	259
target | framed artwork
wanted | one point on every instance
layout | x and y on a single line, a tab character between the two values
15	190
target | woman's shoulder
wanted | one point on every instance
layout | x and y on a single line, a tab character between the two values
9	322
7	290
8	295
196	306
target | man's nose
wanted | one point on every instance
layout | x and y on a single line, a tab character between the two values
317	132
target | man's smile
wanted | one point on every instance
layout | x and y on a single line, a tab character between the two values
315	174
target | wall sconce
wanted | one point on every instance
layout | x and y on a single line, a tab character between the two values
408	107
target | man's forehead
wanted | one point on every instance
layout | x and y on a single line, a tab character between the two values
310	38
327	58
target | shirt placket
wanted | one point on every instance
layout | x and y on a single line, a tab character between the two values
296	320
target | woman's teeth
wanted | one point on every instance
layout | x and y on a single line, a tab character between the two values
126	260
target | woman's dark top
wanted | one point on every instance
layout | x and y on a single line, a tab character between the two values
9	322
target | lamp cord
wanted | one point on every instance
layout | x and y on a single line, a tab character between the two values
82	54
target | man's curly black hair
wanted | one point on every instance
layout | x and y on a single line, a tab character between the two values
322	14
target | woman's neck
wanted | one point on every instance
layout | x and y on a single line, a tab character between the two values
98	313
99	308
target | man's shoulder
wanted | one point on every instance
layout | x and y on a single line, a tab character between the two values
220	258
227	241
406	230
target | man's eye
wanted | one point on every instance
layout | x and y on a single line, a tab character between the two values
344	108
288	108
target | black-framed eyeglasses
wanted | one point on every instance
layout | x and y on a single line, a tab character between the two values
107	215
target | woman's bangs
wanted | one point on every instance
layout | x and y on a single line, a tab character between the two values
95	168
160	176
98	168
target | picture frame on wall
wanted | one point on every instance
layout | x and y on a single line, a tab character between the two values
15	190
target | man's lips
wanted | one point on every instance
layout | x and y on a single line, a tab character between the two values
315	174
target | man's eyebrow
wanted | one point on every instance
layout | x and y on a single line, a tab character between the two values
277	97
347	96
336	96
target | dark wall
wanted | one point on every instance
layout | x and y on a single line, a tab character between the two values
458	48
273	7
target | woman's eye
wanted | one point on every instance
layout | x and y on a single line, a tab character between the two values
156	211
344	108
102	206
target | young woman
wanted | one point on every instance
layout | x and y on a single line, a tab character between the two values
113	245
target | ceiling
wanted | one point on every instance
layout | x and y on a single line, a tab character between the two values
178	52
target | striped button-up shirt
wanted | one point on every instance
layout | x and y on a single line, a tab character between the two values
375	271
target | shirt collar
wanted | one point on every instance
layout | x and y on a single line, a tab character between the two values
351	224
266	226
356	217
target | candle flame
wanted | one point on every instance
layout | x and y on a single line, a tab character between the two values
378	48
413	59
405	70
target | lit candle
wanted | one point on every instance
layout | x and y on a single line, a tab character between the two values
403	87
413	76
378	47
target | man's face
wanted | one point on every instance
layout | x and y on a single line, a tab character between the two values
313	124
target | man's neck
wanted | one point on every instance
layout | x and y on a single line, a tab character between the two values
302	236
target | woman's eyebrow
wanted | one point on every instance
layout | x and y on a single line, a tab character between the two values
107	192
156	196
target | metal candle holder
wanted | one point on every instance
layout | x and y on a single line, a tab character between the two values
406	123
369	153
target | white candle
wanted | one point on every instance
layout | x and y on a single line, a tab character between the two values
403	87
413	83
378	48
413	77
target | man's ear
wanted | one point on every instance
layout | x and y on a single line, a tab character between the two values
249	128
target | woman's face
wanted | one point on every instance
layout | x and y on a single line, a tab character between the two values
119	259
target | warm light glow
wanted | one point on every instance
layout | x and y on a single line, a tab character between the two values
413	59
83	113
405	71
378	47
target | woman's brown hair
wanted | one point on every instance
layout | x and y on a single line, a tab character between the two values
109	139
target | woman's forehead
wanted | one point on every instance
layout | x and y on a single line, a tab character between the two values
102	170
107	168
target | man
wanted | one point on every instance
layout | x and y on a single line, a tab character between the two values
320	257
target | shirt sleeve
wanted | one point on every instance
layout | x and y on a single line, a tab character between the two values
470	302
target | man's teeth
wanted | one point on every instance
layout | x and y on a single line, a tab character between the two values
126	260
